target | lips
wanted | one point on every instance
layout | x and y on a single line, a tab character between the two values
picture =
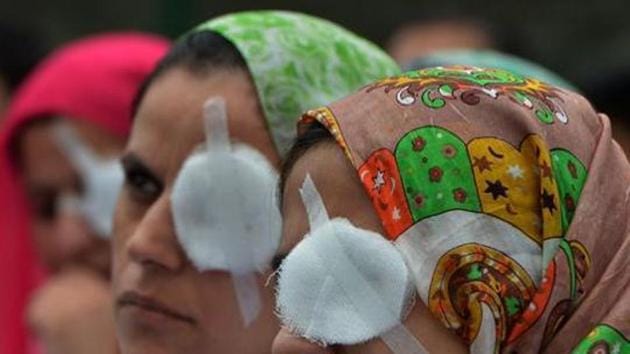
130	298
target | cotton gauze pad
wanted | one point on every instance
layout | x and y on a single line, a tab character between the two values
341	284
102	179
223	204
223	207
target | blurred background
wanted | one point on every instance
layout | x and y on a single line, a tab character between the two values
581	40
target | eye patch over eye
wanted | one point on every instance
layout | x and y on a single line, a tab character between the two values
345	285
224	209
101	178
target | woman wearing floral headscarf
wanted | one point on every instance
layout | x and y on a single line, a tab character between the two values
506	197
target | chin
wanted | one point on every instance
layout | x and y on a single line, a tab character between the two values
152	345
146	348
142	338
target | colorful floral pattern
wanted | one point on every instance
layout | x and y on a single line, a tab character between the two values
432	171
507	177
480	215
434	87
380	176
471	275
436	173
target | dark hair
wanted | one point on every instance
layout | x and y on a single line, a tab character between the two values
198	52
314	134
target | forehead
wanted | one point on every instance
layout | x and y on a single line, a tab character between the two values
168	124
336	181
42	161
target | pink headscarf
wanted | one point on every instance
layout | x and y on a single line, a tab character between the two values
93	79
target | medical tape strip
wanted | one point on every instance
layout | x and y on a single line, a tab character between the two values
235	249
80	156
400	340
370	306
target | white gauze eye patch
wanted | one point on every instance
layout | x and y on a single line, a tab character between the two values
102	179
344	285
224	209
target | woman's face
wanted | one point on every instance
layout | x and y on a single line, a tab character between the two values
163	304
344	196
62	237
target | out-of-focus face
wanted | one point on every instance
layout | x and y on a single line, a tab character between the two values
344	196
163	304
415	41
62	237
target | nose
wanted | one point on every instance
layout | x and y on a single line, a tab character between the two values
153	242
287	343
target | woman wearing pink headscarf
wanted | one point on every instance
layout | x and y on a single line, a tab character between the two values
63	130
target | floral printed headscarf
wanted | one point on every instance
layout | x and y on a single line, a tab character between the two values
299	62
508	199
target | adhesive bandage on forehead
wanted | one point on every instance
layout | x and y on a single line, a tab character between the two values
345	285
224	209
102	179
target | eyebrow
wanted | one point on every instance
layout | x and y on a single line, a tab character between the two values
132	163
277	260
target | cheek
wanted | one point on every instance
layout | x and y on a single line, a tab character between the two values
44	240
375	346
286	343
217	301
125	222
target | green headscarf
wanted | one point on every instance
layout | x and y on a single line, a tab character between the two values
490	59
299	62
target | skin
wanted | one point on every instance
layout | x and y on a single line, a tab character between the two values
344	196
71	312
162	303
417	40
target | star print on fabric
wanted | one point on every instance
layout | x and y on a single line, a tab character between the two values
379	180
548	201
396	214
497	189
516	172
482	163
513	305
545	169
475	272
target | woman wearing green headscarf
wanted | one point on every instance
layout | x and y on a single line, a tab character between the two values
192	249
